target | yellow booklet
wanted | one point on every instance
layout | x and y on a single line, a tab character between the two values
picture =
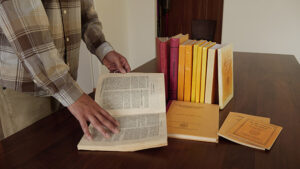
251	131
203	71
194	73
193	121
198	71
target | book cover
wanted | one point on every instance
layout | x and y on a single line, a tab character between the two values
225	75
203	71
162	54
199	69
194	73
181	64
175	41
193	121
232	119
188	70
211	85
248	130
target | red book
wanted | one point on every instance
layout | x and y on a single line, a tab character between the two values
174	49
162	54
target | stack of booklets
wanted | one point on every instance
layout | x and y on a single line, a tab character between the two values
251	131
196	71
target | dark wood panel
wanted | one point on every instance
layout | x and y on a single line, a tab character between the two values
182	12
264	85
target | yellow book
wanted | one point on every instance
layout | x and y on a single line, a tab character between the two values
181	62
193	121
188	70
203	71
195	61
198	71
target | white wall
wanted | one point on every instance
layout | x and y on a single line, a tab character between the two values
85	69
130	26
141	29
266	26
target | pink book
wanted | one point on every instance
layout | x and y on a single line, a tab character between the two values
174	49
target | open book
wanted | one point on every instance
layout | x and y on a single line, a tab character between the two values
137	101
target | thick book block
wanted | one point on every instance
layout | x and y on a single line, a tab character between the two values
203	71
173	73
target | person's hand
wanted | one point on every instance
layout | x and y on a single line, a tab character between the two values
85	109
116	62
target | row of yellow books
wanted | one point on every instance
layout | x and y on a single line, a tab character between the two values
205	72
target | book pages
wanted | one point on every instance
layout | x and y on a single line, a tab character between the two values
131	93
136	132
137	101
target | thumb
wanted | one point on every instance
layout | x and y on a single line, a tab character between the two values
120	66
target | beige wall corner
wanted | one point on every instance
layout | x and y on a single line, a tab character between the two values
268	26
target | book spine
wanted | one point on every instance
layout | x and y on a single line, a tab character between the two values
193	92
174	52
198	73
162	55
181	62
203	75
188	73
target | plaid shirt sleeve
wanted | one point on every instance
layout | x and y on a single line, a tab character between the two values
26	26
92	33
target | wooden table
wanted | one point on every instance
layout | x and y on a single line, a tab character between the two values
265	85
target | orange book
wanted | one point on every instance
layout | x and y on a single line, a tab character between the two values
203	71
188	70
181	64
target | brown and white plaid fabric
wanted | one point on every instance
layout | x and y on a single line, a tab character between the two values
40	42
